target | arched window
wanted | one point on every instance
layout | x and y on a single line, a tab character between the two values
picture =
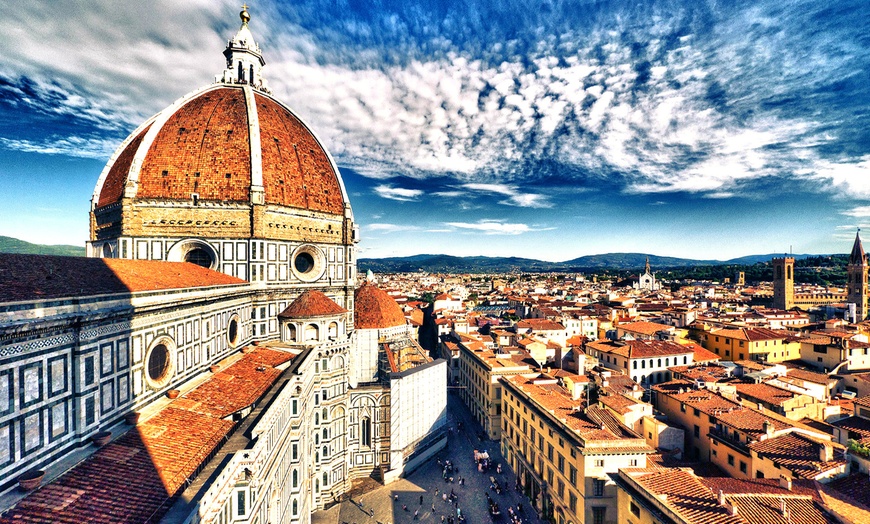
325	433
659	363
325	414
366	431
325	479
291	333
295	507
325	452
316	418
295	479
252	74
241	73
333	330
312	332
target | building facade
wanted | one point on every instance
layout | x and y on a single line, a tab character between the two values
221	271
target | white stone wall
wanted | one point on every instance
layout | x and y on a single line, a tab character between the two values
418	409
68	370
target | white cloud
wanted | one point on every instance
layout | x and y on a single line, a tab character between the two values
514	194
397	193
70	146
858	212
114	63
495	227
390	228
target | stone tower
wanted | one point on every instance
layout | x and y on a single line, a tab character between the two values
783	282
857	279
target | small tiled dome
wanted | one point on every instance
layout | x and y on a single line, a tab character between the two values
312	303
375	309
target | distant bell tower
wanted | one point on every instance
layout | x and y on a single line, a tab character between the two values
783	282
857	274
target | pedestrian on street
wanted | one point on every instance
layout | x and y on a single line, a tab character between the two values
421	500
433	507
436	492
416	513
396	497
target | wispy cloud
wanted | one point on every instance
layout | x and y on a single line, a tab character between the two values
495	227
397	193
674	97
70	146
390	228
516	197
858	212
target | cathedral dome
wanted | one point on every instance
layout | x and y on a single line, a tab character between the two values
375	309
217	153
224	143
310	304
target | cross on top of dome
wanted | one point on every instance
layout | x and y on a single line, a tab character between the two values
244	59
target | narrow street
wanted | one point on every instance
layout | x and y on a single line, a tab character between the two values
430	484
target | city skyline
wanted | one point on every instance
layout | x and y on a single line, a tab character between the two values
536	129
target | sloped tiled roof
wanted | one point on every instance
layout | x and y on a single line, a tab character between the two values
799	454
687	496
768	509
374	309
36	277
312	303
136	478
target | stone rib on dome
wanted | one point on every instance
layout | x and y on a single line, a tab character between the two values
375	309
312	303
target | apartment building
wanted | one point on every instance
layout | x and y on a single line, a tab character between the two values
563	450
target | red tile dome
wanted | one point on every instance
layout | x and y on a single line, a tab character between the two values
224	143
312	303
375	309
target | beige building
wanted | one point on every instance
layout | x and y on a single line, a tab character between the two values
564	451
479	373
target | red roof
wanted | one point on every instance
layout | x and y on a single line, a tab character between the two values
375	309
312	303
204	147
35	277
137	477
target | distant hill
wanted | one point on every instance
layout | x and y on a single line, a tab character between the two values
13	245
609	261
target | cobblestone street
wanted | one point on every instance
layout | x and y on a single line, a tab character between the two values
384	504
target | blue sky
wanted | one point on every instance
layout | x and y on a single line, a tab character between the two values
541	129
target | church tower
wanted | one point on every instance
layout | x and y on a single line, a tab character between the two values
783	282
857	275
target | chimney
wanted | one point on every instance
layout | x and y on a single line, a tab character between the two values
768	428
732	510
785	482
783	509
721	498
826	452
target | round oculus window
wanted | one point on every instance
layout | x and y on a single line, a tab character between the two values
233	331
308	263
199	256
158	363
304	263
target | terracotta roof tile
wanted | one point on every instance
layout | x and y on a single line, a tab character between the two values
687	496
35	277
374	309
135	478
296	169
797	453
113	186
203	141
312	303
